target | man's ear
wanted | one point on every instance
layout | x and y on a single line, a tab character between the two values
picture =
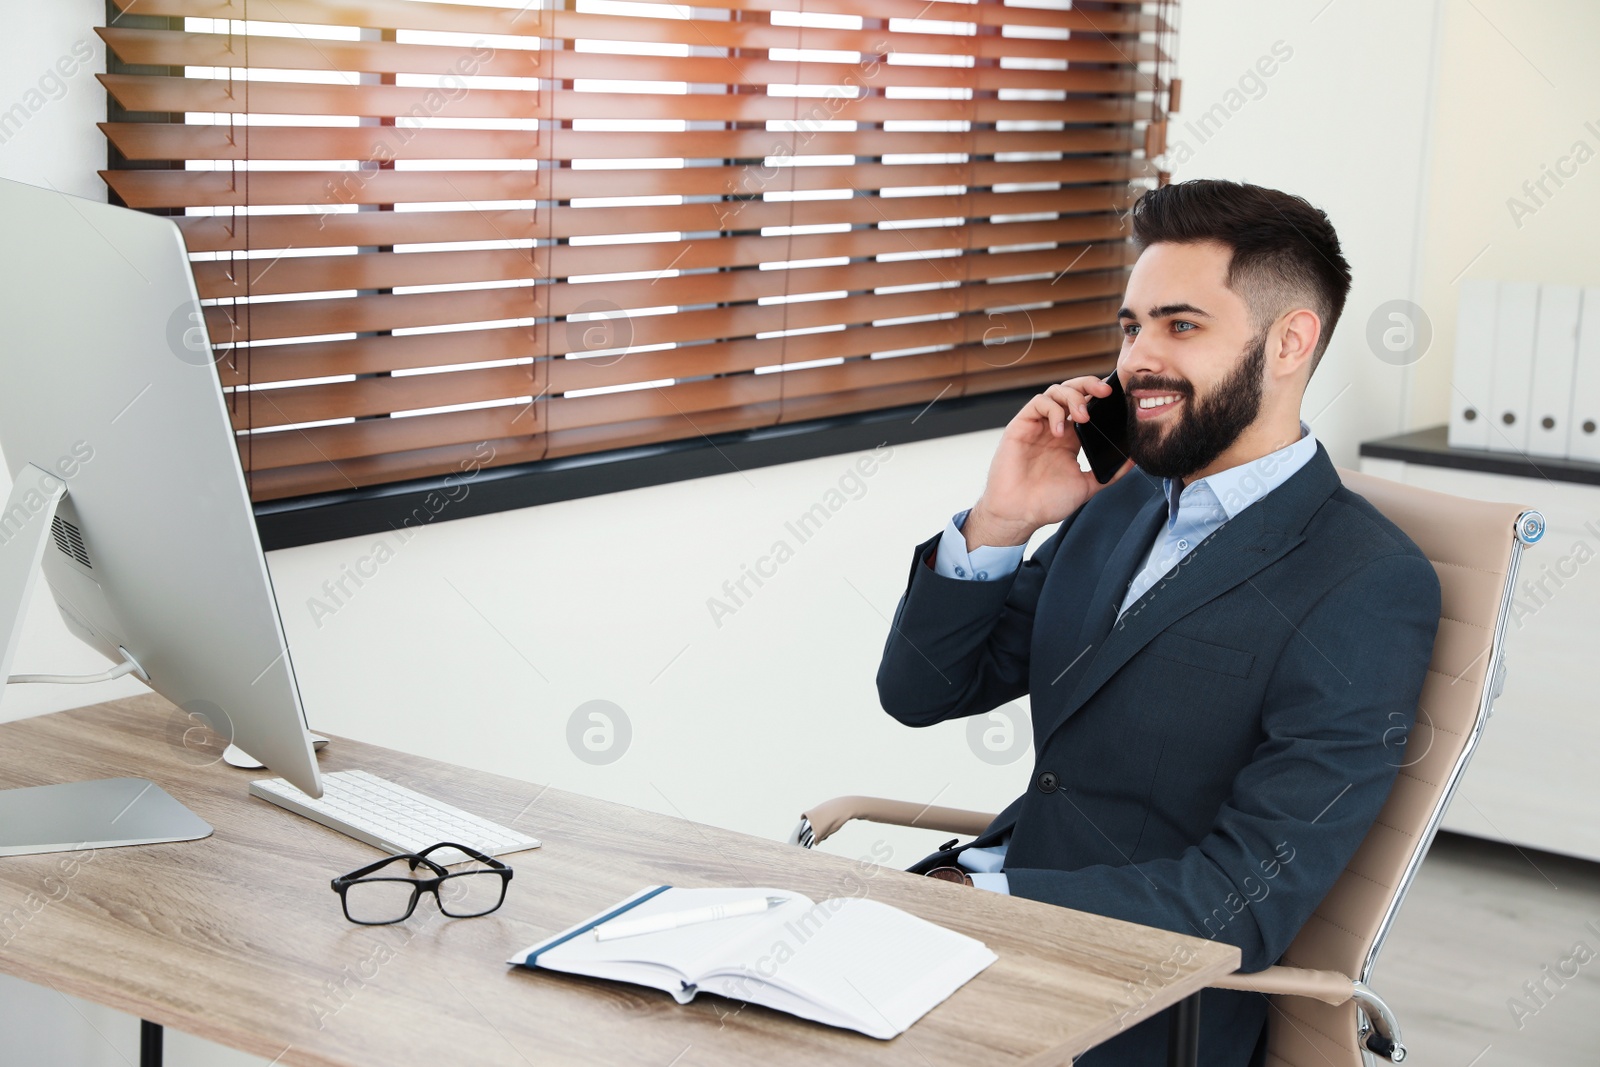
1297	333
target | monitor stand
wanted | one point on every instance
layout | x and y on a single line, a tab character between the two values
75	815
103	813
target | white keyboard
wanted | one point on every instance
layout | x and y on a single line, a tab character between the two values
390	816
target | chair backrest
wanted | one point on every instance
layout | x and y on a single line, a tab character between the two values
1474	546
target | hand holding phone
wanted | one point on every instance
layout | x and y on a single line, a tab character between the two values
1105	436
1034	478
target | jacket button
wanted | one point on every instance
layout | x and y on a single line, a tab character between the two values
1047	782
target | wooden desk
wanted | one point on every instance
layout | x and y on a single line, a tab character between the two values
239	939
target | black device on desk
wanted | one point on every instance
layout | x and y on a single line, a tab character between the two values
1105	436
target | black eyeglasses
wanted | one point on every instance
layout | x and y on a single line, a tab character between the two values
476	887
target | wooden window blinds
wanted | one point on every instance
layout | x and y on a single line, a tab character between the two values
432	234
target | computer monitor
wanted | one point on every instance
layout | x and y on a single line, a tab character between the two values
128	493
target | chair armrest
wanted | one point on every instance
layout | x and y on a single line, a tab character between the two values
820	821
1330	987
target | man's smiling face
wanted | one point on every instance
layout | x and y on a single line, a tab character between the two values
1191	362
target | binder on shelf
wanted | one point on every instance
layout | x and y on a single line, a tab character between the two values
1511	376
1584	440
1555	353
1474	356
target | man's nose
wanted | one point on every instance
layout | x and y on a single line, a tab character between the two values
1140	356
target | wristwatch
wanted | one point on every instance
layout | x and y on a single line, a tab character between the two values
951	874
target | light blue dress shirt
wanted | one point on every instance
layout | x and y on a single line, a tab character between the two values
1194	512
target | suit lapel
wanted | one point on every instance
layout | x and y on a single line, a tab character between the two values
1243	546
1121	566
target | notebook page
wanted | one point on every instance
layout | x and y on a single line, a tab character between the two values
870	962
690	951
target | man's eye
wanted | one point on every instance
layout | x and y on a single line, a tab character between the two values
1181	322
1129	329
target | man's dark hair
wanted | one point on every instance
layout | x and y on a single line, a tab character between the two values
1285	252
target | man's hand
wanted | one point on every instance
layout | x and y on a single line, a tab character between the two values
1034	478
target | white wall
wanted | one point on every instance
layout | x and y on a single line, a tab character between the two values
480	638
504	626
1312	98
1518	107
49	98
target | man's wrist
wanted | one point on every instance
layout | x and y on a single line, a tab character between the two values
980	530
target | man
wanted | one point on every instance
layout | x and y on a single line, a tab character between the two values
1223	646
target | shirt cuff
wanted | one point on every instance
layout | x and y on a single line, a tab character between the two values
984	563
994	883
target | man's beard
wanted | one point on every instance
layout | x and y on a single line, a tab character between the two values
1204	429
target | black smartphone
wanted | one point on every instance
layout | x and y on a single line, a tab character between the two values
1105	436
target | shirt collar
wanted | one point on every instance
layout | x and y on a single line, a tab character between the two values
1237	487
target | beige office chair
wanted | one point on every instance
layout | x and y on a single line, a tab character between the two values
1324	1014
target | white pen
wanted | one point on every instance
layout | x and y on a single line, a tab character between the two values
671	920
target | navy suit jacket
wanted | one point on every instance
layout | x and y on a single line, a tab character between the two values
1209	762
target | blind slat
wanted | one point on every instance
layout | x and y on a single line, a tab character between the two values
330	189
221	96
1085	44
173	48
144	141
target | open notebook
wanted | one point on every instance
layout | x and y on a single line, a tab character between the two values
847	962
